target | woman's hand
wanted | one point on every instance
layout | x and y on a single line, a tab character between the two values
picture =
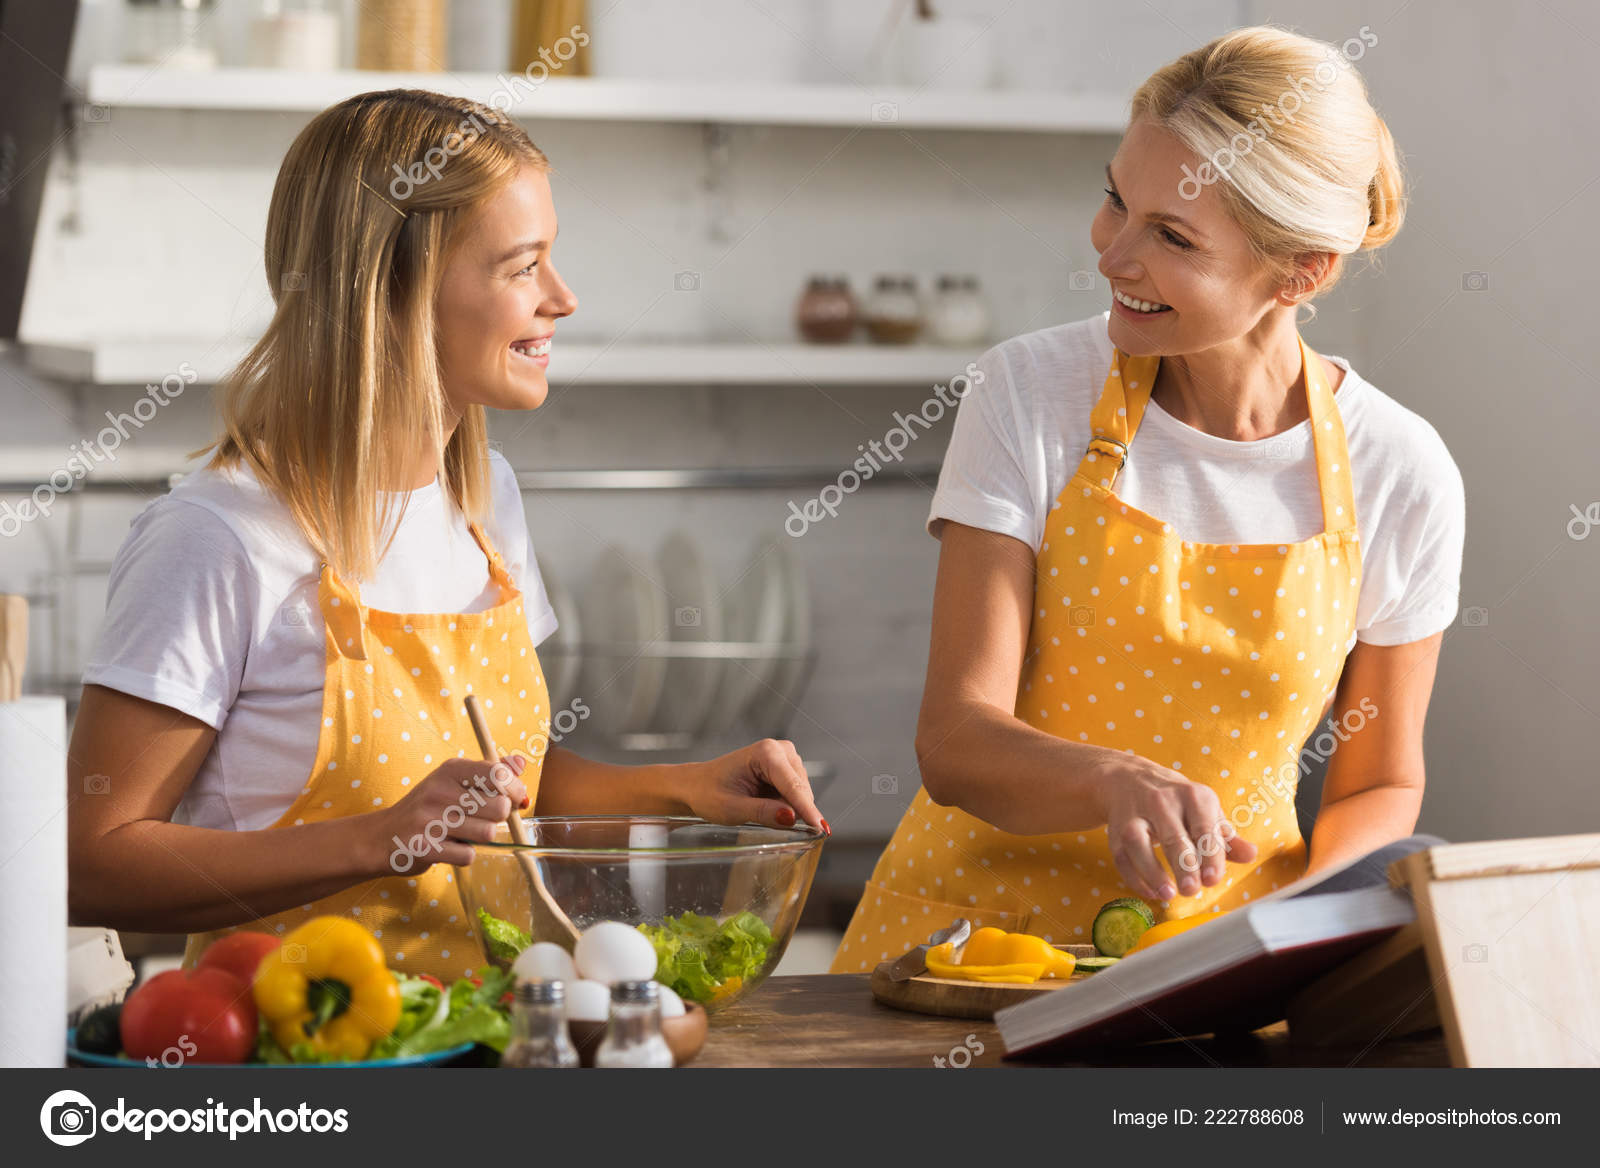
764	782
1147	804
460	803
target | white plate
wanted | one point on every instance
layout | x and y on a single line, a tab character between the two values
561	663
772	708
692	598
754	609
622	606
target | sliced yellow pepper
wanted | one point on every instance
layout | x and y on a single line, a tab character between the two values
1155	934
993	955
328	949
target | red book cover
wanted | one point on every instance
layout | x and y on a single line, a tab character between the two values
1244	996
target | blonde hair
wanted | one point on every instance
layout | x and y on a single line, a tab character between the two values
1310	166
342	393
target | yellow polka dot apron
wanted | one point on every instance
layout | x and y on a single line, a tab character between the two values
1217	660
392	712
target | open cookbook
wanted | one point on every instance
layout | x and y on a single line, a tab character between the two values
1236	972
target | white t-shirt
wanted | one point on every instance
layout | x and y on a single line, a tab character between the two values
212	610
1021	433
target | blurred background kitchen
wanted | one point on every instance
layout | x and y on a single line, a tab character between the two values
788	223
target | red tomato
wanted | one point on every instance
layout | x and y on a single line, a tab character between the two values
177	1017
238	953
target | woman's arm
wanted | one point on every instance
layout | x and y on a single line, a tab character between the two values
764	782
130	867
1373	789
975	754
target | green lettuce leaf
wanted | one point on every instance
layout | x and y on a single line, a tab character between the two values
502	939
473	1013
695	955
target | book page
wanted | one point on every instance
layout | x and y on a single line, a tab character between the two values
1369	871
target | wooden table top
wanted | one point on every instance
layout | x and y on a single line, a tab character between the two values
832	1020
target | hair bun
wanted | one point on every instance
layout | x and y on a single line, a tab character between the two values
1386	196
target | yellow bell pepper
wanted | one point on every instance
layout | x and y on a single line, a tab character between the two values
1155	934
328	949
993	955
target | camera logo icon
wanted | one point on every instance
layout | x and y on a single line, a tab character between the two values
687	617
885	785
885	111
1080	615
1475	952
1081	281
68	1118
294	953
686	281
96	784
1474	617
294	281
1474	281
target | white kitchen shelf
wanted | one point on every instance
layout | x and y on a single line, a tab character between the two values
141	362
612	99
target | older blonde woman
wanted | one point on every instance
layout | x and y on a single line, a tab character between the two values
1175	539
277	693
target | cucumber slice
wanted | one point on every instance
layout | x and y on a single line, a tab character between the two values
1133	902
1119	924
1094	964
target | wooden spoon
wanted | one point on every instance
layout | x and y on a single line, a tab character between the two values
549	922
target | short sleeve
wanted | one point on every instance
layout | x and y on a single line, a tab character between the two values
983	482
516	547
1427	553
180	607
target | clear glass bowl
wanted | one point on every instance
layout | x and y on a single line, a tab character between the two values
644	869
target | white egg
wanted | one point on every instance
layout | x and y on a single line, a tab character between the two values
611	952
545	961
588	1001
671	1003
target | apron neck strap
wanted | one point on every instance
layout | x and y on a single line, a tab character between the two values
340	600
1121	408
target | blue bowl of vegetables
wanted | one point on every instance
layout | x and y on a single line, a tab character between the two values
719	903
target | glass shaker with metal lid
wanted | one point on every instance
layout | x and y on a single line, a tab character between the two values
539	1036
633	1038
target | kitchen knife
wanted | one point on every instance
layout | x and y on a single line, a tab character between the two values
916	961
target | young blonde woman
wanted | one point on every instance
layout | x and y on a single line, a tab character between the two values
1174	539
275	703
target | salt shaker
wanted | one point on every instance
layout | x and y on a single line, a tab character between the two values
539	1035
633	1038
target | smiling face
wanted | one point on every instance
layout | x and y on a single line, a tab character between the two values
500	298
1189	256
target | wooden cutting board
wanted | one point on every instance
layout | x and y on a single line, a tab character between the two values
926	994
